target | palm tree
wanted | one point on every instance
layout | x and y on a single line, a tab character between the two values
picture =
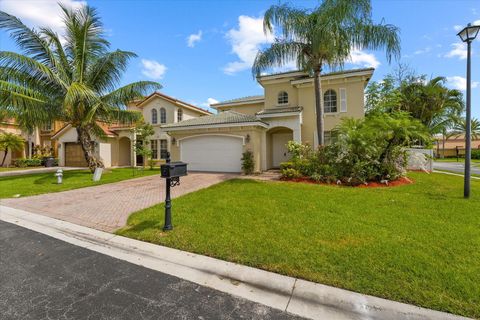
72	79
435	105
461	127
325	35
10	141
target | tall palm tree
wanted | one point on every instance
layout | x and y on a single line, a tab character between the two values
72	79
10	142
325	35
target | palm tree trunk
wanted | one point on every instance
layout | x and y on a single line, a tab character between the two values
443	146
319	106
88	147
4	157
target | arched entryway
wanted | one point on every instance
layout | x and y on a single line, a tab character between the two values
124	152
277	139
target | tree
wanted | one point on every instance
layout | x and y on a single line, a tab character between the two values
10	141
142	133
460	128
325	35
73	79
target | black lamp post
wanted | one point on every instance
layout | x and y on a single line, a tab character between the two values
468	34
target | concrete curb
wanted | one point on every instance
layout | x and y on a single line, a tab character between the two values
303	298
37	170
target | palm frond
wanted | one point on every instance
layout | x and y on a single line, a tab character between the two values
126	94
278	54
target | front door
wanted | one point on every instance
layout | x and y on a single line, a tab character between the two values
279	148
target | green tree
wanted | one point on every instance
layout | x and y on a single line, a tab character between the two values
10	142
460	128
325	35
143	131
74	80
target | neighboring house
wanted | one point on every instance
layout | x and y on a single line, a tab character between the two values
453	146
117	148
264	124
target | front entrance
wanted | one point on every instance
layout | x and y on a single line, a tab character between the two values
278	139
74	156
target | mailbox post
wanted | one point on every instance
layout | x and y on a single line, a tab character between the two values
171	171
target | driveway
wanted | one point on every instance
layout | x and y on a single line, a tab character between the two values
107	207
457	167
45	278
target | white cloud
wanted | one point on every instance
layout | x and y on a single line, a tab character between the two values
45	13
209	102
153	69
457	27
476	23
422	51
195	37
246	40
361	58
460	83
459	50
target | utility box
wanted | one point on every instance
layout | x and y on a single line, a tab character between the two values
173	169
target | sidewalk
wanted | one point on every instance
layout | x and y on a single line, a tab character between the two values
296	296
36	170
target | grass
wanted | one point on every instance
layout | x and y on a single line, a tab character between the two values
460	160
417	243
39	183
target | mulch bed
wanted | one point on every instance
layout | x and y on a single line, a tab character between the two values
373	184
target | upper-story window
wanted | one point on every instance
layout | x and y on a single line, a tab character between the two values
282	97
163	115
330	101
179	115
154	116
47	126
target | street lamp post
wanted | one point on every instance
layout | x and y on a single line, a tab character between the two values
468	34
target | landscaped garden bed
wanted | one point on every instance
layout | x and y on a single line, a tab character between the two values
39	183
417	243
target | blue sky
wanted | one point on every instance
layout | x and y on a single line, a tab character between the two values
201	51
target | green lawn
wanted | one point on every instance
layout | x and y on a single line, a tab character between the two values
38	183
416	243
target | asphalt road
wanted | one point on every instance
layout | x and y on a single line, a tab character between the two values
45	278
458	167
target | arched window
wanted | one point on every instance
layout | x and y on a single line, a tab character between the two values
282	97
330	101
179	115
163	115
154	116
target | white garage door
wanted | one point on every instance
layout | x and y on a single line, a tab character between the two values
212	153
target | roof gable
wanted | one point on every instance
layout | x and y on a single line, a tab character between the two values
177	102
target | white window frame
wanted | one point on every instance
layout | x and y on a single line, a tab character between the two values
154	116
179	115
282	98
154	148
330	106
163	148
343	99
163	115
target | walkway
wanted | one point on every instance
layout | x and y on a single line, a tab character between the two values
20	172
107	207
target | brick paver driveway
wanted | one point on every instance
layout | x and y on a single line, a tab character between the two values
108	206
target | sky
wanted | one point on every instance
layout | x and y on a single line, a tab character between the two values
202	51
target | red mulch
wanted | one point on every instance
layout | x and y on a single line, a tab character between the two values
373	184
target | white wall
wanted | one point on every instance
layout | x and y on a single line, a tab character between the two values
105	153
415	163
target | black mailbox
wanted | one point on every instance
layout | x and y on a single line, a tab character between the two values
173	169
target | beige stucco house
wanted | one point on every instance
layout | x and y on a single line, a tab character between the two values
116	148
264	124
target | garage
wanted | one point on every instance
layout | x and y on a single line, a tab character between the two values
74	156
215	153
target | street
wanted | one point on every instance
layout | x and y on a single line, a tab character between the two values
45	278
457	167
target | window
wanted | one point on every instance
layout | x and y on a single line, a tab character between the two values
154	148
163	149
179	115
330	101
163	115
282	97
47	126
154	116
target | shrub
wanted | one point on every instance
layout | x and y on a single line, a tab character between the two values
476	154
371	149
248	164
287	165
290	173
22	163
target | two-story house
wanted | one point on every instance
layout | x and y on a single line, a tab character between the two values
116	148
264	124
